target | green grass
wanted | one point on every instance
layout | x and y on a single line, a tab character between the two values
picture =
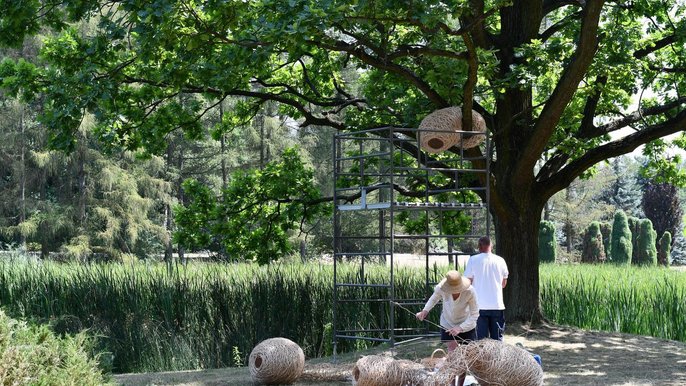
637	300
212	315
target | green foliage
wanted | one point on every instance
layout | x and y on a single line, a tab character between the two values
621	246
547	243
635	228
606	231
256	213
153	320
662	206
664	256
647	238
630	299
593	249
34	355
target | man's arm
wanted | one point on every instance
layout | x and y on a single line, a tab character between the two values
504	282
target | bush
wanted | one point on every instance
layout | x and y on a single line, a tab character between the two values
547	244
621	247
33	355
647	253
593	249
606	231
665	251
635	228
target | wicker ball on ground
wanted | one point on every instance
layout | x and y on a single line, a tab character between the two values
276	361
379	370
439	131
492	363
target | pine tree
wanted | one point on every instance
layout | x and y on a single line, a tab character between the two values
621	248
547	243
593	249
647	252
624	192
664	252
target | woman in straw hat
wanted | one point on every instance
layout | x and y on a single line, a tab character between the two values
460	311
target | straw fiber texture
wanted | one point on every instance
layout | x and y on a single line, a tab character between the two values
276	361
439	130
492	363
378	370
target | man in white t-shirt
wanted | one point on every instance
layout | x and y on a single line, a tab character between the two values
488	273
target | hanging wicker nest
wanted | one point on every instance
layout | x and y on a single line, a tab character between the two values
491	362
439	130
276	361
378	370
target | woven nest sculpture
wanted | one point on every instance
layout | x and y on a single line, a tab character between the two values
276	361
439	131
492	363
378	370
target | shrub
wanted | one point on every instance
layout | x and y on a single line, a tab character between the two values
33	355
664	253
547	244
647	253
621	247
635	228
593	249
606	231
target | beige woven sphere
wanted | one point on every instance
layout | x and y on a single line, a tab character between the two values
276	361
438	130
496	363
379	370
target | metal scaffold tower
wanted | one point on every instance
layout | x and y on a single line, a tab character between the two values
393	200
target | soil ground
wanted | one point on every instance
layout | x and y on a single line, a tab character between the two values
570	357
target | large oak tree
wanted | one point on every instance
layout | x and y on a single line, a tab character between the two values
557	81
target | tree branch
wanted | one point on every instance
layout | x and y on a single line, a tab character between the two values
566	87
635	117
310	118
552	5
394	68
587	127
553	29
657	45
616	148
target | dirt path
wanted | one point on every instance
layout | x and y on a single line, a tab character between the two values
570	357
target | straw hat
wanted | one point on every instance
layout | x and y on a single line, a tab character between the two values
454	282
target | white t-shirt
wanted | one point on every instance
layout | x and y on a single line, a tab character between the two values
488	271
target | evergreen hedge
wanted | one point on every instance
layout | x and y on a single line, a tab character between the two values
621	246
664	253
647	252
547	243
593	249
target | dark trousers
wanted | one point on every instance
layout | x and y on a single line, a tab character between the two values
461	338
491	324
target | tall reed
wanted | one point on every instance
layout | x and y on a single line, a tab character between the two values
205	315
637	300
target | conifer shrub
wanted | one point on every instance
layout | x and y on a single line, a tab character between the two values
635	228
34	355
621	247
606	231
664	252
547	243
593	249
647	252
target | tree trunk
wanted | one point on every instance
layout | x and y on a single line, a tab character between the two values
517	242
225	173
22	188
